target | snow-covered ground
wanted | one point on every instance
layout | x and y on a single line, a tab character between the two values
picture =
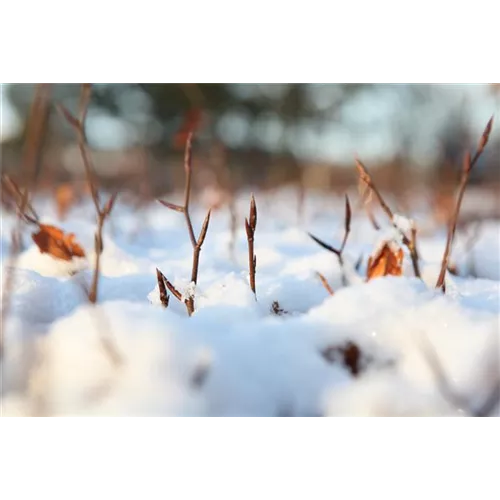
235	356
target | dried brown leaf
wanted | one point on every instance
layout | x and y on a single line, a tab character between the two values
55	242
386	263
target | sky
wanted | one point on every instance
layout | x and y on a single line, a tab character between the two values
370	125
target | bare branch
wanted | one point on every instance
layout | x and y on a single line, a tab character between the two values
173	290
367	179
253	214
172	206
347	230
196	243
78	125
15	193
467	168
203	232
110	204
326	246
347	223
164	297
250	227
325	283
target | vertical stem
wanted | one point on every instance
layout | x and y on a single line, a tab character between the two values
98	251
251	263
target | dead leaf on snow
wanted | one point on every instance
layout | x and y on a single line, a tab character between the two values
57	243
387	262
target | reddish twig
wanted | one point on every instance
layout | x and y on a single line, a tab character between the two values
196	243
250	226
339	251
409	243
164	297
102	213
325	283
469	164
24	208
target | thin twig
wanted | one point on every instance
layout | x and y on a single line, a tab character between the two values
325	283
164	297
173	290
347	229
102	213
14	191
467	248
196	243
250	226
467	167
24	208
366	199
78	125
409	243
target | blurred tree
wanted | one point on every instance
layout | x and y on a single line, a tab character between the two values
286	126
158	112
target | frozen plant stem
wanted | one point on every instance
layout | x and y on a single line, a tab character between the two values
78	125
250	226
164	297
452	227
338	251
325	283
409	243
196	243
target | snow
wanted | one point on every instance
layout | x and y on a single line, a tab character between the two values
128	355
404	224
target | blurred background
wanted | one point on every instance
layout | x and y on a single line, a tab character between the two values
262	135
